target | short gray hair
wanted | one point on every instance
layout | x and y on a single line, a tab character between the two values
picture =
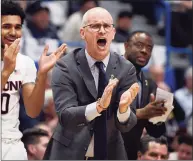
84	19
85	16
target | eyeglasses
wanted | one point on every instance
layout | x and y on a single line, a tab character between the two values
96	27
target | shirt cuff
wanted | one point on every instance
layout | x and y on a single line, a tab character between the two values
91	112
123	117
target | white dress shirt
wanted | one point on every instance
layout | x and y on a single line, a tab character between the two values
184	98
91	111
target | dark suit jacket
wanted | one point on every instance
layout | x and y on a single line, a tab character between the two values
73	89
132	138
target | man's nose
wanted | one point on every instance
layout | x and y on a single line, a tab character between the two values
144	50
12	32
102	29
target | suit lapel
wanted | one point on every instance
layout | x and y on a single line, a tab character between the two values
84	69
145	87
112	66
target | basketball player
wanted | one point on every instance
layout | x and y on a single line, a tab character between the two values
18	73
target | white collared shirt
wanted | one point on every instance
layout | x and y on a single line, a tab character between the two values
184	98
94	70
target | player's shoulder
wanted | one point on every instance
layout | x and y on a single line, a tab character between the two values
24	59
24	62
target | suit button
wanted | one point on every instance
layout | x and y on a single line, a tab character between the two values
85	149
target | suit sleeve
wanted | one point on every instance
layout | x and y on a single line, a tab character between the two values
65	98
125	84
154	130
178	111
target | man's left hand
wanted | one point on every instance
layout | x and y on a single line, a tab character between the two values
47	62
127	97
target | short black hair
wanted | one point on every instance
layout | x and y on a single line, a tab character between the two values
9	7
123	14
32	135
35	7
145	140
131	35
83	2
185	139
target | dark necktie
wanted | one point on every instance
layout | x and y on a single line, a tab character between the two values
100	127
140	91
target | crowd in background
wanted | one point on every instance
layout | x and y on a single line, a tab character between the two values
53	22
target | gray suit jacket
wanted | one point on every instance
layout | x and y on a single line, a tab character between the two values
73	89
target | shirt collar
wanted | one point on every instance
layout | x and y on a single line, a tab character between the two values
91	60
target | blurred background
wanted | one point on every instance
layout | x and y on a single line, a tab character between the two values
169	22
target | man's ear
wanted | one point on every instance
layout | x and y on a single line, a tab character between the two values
114	32
139	154
126	44
31	149
82	33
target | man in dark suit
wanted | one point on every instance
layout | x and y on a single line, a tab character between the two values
90	120
138	49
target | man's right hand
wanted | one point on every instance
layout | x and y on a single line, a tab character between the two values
153	109
9	57
105	100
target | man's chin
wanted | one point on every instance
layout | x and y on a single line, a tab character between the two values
9	43
139	66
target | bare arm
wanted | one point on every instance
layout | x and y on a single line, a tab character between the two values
33	95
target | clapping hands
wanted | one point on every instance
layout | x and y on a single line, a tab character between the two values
126	98
104	101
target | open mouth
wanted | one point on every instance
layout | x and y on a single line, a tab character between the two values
102	42
11	40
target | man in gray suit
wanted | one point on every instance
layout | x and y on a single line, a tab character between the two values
91	118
